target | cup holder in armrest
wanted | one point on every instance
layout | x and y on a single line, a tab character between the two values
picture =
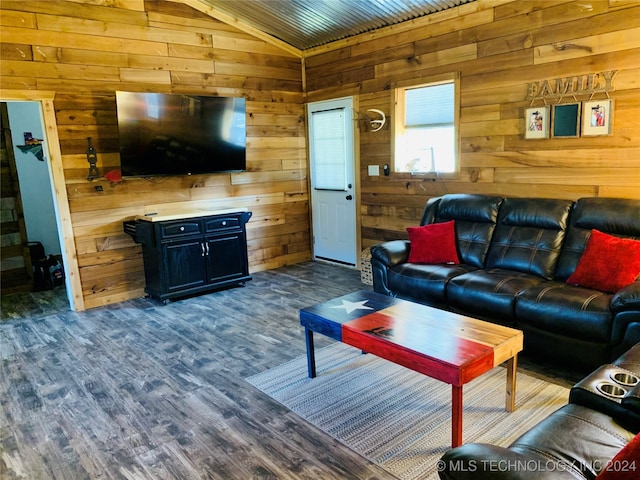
610	390
605	390
599	389
627	379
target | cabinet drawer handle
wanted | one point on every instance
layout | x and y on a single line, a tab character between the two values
182	229
224	223
202	246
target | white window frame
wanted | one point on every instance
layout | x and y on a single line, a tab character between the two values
398	126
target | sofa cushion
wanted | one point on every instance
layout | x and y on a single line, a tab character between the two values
579	436
608	263
573	311
424	283
529	235
475	217
574	442
615	216
433	243
489	293
586	438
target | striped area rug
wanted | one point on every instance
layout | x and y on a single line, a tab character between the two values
400	419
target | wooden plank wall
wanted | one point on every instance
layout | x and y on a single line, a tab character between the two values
86	51
498	47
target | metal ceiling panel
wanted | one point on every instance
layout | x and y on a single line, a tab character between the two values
306	24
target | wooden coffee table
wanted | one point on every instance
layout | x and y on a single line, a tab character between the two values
446	346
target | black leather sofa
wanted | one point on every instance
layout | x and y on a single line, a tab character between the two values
515	257
577	441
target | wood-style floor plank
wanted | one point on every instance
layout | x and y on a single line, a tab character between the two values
141	390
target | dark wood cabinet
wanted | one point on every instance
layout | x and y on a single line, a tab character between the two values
183	265
194	255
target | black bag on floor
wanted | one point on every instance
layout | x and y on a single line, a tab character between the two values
55	270
38	260
47	270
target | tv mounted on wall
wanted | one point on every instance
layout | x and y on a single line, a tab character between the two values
171	134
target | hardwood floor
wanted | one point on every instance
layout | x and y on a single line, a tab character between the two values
139	390
30	304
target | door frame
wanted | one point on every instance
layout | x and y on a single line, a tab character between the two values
356	178
59	189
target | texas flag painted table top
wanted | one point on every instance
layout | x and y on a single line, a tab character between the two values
443	345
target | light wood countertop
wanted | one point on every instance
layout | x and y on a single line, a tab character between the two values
178	213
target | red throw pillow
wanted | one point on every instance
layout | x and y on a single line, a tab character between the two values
433	243
625	465
608	263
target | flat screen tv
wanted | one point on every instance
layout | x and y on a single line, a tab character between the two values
170	134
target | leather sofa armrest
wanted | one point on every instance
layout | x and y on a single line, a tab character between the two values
591	392
627	299
630	359
391	253
631	400
625	330
479	461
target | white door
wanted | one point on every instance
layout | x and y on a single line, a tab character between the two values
333	195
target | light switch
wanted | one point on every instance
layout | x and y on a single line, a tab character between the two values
374	170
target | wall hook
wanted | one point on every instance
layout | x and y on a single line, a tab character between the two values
377	124
92	158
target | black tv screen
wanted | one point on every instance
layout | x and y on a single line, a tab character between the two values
172	134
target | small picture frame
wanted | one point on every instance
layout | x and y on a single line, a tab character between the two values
597	116
536	123
566	120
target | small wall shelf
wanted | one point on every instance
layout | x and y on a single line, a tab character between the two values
35	149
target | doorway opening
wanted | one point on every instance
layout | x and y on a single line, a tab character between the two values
71	291
31	267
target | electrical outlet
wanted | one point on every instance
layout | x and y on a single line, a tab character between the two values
374	170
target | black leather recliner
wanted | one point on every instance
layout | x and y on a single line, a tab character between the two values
575	442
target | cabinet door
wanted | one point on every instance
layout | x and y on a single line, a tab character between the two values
227	257
184	264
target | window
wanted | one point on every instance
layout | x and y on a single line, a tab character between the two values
327	143
426	129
